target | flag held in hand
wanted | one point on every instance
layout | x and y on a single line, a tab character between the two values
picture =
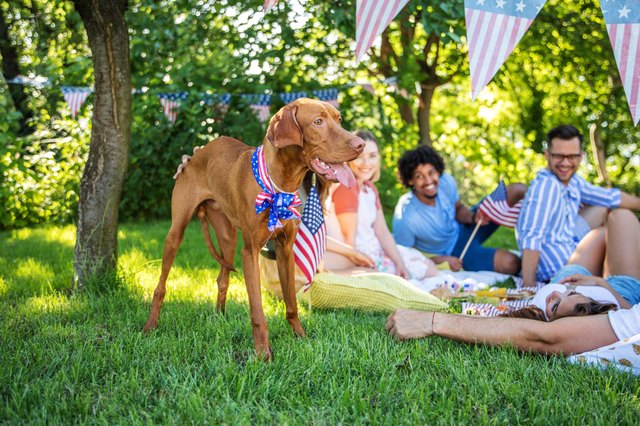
496	208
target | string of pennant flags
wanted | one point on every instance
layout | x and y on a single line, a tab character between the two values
495	27
260	104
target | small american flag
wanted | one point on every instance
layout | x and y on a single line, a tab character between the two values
372	17
311	241
494	27
328	95
75	97
171	104
623	25
497	209
291	96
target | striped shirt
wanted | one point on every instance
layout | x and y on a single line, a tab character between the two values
547	220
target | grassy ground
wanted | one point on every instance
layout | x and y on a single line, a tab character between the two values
80	358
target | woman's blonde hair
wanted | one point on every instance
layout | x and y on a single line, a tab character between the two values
366	135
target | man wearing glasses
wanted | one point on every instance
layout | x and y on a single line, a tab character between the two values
551	222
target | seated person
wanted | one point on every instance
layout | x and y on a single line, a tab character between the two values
359	221
613	252
431	218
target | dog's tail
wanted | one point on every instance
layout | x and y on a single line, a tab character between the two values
206	234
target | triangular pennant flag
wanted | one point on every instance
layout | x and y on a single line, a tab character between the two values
372	17
328	95
220	102
75	97
369	88
268	4
494	28
260	105
291	96
171	104
623	24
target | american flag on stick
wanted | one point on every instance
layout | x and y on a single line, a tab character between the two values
372	17
494	28
75	97
311	241
328	95
496	208
171	104
623	25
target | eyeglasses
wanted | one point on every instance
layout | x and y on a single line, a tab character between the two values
559	158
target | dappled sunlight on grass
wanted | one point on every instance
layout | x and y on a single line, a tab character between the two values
57	303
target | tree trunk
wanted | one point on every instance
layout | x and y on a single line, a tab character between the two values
11	70
597	147
424	112
96	251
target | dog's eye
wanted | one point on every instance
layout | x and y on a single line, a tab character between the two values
340	119
318	121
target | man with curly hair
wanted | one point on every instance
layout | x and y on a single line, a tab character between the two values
431	217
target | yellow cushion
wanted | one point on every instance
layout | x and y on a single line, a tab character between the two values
376	292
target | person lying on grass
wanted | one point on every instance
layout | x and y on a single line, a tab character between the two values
613	252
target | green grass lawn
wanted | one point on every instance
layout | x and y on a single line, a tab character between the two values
80	358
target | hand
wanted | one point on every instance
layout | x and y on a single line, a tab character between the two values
481	218
404	324
579	279
455	264
361	259
402	271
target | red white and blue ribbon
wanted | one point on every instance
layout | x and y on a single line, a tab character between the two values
623	25
75	97
281	205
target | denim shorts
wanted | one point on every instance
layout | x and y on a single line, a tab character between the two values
567	270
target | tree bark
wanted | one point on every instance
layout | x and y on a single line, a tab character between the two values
11	70
96	250
424	114
597	147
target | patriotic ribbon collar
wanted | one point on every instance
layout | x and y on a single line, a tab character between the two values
281	205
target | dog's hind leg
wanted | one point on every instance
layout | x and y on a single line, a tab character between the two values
227	240
286	272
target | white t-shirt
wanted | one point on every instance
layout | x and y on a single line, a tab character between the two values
625	322
599	294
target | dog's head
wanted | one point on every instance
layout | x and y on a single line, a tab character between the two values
314	127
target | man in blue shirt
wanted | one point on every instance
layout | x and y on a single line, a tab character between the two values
551	222
432	219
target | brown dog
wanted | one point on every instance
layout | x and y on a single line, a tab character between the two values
218	185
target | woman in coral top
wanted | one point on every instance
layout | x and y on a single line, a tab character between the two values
359	222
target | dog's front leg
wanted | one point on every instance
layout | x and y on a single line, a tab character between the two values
258	320
286	273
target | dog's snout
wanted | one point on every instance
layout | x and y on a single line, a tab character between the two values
357	144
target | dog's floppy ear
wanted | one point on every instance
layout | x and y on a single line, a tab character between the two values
284	129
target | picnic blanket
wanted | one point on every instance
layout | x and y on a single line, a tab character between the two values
623	355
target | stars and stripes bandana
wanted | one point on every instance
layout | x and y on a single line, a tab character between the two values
372	17
311	240
327	95
171	104
75	97
496	208
494	28
623	25
281	205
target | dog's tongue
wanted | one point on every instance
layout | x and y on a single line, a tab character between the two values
344	174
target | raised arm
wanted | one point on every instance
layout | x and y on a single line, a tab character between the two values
564	336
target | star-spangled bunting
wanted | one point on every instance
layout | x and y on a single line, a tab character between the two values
219	101
260	105
328	95
171	104
494	28
311	240
268	4
496	208
372	17
281	205
623	25
75	97
291	96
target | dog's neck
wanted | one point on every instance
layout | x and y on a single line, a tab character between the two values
286	177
